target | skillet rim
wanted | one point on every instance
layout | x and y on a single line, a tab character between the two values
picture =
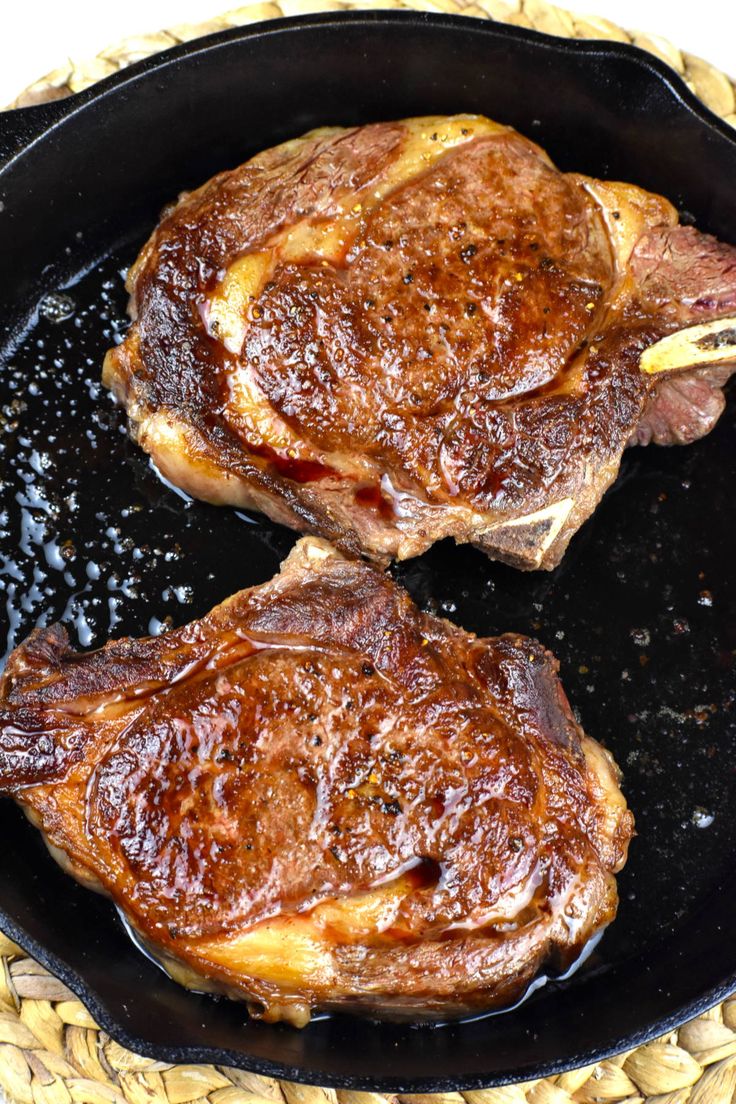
217	1056
22	127
20	130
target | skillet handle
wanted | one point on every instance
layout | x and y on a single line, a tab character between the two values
22	126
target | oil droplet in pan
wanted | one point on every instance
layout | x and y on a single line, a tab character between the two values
56	306
88	531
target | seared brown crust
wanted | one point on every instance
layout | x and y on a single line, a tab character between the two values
444	339
311	740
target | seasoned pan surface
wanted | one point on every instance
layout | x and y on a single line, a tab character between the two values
641	613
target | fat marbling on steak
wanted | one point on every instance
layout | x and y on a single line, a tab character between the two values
319	797
405	331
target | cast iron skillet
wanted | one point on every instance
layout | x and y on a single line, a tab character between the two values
642	612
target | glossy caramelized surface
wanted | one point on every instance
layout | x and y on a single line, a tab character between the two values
319	797
405	331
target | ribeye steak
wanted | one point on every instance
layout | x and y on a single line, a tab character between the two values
319	797
400	332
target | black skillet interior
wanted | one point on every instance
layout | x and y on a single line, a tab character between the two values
642	612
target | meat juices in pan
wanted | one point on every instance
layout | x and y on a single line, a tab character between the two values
406	331
318	797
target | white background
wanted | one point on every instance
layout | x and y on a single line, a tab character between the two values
37	35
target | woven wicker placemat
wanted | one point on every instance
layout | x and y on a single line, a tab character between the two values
52	1051
712	86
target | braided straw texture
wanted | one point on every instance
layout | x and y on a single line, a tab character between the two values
712	86
52	1051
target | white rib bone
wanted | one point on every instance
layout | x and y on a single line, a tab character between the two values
554	515
711	343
